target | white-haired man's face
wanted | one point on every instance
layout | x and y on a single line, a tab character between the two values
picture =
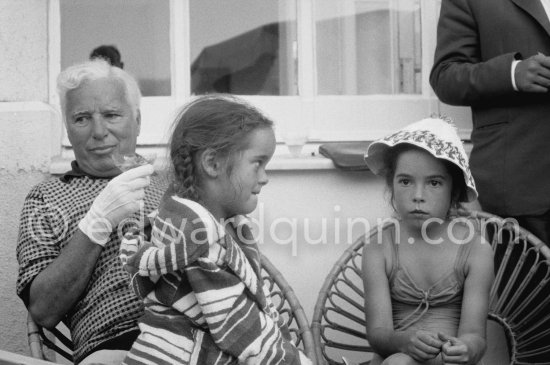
100	122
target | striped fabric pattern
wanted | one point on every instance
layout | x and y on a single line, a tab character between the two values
204	300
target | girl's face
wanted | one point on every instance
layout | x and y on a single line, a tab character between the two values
239	187
422	187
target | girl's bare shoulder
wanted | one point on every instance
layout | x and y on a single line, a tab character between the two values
464	231
481	253
380	239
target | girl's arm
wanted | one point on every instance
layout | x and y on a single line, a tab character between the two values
183	231
469	346
420	345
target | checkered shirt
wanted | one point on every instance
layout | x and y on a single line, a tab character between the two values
50	216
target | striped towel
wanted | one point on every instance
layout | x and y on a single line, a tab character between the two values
205	302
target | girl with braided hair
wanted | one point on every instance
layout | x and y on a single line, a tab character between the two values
199	276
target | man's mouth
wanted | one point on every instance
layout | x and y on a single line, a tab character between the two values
102	149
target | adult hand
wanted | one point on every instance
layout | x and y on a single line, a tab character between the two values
454	351
533	74
423	345
122	196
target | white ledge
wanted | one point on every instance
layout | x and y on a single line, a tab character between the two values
308	159
288	162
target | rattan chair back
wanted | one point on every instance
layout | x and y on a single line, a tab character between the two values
519	298
289	307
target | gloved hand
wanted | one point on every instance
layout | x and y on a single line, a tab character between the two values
122	196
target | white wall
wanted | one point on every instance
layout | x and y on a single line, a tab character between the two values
23	50
320	207
25	142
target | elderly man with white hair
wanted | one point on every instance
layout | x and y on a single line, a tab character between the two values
71	226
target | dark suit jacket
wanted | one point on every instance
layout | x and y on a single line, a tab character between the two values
477	40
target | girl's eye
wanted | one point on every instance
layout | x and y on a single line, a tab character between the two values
435	183
404	182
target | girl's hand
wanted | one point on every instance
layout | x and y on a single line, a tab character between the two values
454	351
423	345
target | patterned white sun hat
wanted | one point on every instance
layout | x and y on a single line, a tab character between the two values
437	136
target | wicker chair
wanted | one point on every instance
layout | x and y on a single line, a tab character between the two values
282	295
289	307
39	338
12	358
518	297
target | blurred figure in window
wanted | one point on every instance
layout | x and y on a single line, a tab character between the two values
109	53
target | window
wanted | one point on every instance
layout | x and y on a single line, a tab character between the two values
368	47
243	47
322	69
138	28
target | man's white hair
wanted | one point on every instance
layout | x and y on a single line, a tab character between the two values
74	76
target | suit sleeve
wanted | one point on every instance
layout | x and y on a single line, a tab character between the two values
460	75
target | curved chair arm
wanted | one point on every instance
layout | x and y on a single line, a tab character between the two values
35	338
519	298
288	305
38	339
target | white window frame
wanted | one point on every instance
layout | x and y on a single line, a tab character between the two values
320	117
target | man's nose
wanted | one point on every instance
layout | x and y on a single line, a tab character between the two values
99	129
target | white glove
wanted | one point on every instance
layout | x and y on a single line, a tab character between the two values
122	196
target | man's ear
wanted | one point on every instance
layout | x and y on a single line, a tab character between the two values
138	120
210	163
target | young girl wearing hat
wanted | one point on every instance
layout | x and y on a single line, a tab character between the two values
428	277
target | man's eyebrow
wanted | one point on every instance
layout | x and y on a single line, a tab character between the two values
111	107
79	112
